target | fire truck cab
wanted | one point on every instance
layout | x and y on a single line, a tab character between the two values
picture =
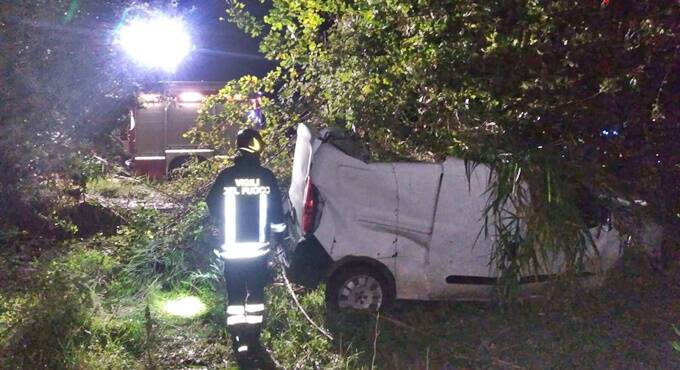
162	115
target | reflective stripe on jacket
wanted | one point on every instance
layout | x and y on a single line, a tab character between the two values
245	200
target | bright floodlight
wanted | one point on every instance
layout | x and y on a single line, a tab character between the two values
189	306
157	42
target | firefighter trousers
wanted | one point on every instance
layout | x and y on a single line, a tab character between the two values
246	279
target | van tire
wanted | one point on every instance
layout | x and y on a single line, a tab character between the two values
362	284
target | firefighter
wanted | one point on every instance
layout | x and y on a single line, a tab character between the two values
245	201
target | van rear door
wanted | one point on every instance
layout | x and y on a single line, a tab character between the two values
302	159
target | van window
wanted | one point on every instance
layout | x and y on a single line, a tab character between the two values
347	142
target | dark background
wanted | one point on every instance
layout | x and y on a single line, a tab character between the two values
223	52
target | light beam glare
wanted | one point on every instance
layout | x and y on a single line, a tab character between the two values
188	306
158	41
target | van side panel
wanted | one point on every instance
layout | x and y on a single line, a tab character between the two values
355	221
455	248
460	249
418	187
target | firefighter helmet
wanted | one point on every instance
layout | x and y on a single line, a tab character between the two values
250	141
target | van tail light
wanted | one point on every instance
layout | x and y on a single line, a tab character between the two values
309	210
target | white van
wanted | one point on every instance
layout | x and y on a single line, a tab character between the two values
376	232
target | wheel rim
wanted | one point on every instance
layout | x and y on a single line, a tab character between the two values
360	292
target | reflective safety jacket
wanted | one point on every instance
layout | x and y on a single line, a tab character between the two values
246	202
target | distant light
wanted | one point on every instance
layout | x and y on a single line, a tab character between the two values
615	133
605	132
188	306
157	41
190	96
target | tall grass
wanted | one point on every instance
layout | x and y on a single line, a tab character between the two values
58	314
533	217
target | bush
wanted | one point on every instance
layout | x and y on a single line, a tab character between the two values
45	322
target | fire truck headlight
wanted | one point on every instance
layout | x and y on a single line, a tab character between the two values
156	41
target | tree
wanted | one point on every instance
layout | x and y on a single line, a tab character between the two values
571	97
63	87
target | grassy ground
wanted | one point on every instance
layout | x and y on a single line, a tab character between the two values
107	303
625	324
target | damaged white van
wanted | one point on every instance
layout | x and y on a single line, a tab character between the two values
376	232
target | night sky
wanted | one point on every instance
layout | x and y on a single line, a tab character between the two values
223	52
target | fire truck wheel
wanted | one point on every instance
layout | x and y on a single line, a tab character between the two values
359	287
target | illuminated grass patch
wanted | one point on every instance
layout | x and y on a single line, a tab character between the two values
184	306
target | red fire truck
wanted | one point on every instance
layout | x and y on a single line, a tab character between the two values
157	124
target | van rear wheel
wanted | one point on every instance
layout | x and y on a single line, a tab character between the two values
359	287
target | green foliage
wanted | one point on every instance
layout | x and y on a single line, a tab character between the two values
8	234
676	344
64	88
48	321
196	178
295	343
88	167
144	249
527	87
104	354
533	229
85	308
216	130
232	105
116	188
